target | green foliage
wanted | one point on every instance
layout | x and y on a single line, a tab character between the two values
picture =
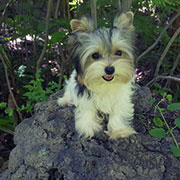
24	18
60	23
36	93
3	105
106	11
162	91
158	133
149	31
174	107
177	122
152	101
57	36
158	122
175	150
7	120
166	4
25	25
162	128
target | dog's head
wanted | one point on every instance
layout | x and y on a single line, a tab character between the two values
103	56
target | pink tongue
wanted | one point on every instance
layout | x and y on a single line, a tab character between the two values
108	77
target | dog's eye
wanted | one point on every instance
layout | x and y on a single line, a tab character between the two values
96	56
118	53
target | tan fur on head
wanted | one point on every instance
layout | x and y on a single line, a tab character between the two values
103	79
80	80
83	25
124	21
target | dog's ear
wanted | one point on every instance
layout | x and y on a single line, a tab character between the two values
83	25
124	21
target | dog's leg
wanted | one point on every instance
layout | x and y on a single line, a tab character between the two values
86	122
119	125
66	100
70	95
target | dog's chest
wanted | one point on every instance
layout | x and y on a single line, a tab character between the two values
105	103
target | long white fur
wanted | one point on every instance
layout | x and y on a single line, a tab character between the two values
113	100
110	97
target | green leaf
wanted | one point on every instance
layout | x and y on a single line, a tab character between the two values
17	35
174	106
41	27
37	75
169	97
177	122
156	92
157	85
29	106
32	82
175	150
52	86
21	108
9	111
7	126
29	87
152	101
28	94
157	122
48	91
4	121
57	36
3	105
164	94
157	133
59	75
167	89
141	116
60	22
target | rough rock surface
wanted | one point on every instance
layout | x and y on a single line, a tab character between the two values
48	148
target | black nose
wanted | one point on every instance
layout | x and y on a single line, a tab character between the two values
109	70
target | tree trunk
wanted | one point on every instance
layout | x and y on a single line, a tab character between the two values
64	9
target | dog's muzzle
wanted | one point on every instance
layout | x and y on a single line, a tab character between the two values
109	70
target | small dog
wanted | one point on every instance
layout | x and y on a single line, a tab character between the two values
103	78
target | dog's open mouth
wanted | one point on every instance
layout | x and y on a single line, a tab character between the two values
108	77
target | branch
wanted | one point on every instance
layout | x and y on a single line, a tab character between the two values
46	35
119	5
7	131
57	9
158	39
6	59
163	77
173	69
126	4
166	50
169	77
94	12
9	86
175	64
4	12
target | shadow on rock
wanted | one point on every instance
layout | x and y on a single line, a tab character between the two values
49	148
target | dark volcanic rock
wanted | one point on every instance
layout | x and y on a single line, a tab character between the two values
48	148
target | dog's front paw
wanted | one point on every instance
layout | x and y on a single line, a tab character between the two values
87	130
121	133
63	102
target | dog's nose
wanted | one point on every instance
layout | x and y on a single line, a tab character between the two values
109	70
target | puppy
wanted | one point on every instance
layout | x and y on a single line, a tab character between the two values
103	78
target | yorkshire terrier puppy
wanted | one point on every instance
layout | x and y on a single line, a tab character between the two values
103	78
